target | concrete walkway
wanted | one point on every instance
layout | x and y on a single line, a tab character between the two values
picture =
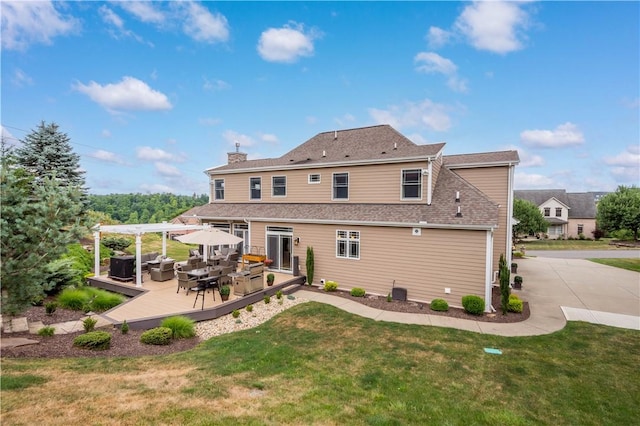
587	254
557	290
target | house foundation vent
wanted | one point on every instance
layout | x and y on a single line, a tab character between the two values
399	293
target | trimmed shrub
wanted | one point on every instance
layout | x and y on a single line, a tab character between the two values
95	340
50	307
358	292
156	336
279	294
124	328
74	299
249	308
389	298
180	326
89	324
439	305
235	313
330	286
267	300
310	264
270	278
116	243
47	331
473	304
515	305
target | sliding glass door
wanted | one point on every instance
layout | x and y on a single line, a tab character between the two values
280	248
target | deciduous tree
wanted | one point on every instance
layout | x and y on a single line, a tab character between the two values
620	210
530	218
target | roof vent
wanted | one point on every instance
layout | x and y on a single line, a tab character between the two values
324	153
459	213
237	146
395	145
383	152
335	135
457	196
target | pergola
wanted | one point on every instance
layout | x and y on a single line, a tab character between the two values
137	230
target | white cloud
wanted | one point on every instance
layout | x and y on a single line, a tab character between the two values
532	181
346	119
232	137
432	63
209	121
567	134
146	153
625	167
113	19
128	94
28	22
108	156
437	37
156	188
202	25
493	25
286	44
20	78
215	85
165	169
268	137
310	119
421	114
105	133
144	11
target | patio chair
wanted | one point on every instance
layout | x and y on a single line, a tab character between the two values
185	282
200	290
164	272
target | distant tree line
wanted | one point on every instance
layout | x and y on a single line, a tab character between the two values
143	208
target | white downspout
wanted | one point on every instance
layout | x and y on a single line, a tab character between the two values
96	252
510	217
429	181
164	241
488	271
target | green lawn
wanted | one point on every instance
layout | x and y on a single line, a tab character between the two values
602	244
153	242
316	364
630	264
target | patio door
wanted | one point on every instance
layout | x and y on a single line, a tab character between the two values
242	231
280	247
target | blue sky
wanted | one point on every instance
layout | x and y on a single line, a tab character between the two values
153	93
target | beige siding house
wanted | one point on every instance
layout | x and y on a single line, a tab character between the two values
377	209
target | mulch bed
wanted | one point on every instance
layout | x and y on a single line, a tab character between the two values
128	345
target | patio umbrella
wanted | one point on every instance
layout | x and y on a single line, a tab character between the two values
210	237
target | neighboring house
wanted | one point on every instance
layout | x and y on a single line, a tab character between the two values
183	220
569	214
377	210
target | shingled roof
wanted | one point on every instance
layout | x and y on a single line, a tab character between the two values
582	205
477	210
539	196
482	158
366	144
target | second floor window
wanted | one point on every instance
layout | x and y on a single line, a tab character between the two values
558	211
279	185
255	188
341	186
547	211
412	184
218	186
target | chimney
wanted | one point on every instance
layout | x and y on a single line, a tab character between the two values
237	156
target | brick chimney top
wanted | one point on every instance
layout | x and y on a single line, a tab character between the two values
236	157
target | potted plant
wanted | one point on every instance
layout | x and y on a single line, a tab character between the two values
225	290
517	282
270	279
514	268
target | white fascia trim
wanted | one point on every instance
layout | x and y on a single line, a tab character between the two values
281	167
356	222
474	165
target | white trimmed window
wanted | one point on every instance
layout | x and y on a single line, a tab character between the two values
547	211
255	188
412	184
218	189
341	186
348	244
279	186
558	211
314	178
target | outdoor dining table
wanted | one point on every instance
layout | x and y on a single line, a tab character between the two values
198	273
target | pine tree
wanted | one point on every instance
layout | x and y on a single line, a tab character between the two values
47	152
37	222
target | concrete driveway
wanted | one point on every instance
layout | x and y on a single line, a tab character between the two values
577	289
585	254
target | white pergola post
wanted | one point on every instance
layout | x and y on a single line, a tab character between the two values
138	259
164	241
96	253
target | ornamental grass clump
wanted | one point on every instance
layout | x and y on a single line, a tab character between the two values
156	336
47	331
249	308
181	327
515	304
473	304
124	328
50	308
89	324
267	300
439	305
74	299
94	340
235	313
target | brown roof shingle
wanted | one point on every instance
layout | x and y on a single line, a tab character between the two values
482	158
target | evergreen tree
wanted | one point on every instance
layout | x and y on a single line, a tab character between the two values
505	290
37	222
47	152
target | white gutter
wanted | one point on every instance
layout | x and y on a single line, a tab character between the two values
510	216
429	182
488	271
491	164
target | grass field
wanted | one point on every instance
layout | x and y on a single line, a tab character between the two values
630	264
315	364
153	242
532	244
